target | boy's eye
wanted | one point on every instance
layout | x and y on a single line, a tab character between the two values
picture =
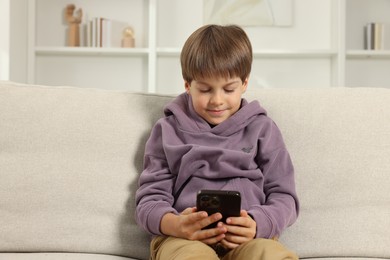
229	90
204	90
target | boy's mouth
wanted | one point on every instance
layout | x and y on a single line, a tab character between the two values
216	112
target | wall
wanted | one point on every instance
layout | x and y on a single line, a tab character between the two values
18	40
4	39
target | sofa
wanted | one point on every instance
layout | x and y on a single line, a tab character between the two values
70	159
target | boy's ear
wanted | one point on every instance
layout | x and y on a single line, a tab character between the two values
187	86
245	85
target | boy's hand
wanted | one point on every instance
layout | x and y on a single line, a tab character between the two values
189	225
239	230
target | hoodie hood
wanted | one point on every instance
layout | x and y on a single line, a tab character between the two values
182	110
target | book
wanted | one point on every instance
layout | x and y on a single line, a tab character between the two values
103	32
378	36
367	37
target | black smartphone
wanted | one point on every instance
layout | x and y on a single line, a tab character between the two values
226	202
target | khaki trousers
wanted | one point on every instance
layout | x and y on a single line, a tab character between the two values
171	248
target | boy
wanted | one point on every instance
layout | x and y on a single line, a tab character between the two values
211	138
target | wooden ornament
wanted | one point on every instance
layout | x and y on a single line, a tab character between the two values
73	19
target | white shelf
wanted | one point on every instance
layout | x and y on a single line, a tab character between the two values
368	54
88	51
168	52
174	52
294	53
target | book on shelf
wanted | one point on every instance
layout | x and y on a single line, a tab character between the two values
376	36
103	32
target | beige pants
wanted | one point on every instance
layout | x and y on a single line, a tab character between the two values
171	248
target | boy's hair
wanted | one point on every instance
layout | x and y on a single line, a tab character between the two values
216	51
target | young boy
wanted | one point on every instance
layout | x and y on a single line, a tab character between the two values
212	138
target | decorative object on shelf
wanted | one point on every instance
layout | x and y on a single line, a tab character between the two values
374	36
73	19
128	38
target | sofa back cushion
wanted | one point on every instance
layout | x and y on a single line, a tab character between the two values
70	160
69	163
339	140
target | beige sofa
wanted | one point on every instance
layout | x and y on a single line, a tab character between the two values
70	159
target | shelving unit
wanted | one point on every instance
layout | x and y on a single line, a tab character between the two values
319	50
368	68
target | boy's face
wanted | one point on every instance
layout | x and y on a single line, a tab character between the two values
216	99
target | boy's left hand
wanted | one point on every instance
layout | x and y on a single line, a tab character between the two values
239	230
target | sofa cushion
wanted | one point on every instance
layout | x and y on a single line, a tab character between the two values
59	256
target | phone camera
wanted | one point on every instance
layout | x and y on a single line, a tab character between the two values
210	201
215	201
205	198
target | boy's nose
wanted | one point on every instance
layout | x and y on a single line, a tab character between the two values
216	99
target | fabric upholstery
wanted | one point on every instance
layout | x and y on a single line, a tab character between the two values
70	159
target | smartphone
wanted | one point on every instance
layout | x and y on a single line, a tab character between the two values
226	202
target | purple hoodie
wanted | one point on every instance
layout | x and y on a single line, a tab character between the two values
246	152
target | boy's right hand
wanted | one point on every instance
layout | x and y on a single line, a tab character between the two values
189	225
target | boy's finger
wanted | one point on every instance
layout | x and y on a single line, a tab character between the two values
188	211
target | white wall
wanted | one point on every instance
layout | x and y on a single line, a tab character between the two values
18	40
4	39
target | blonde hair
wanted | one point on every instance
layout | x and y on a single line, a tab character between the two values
216	51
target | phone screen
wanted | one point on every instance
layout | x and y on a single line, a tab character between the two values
226	202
